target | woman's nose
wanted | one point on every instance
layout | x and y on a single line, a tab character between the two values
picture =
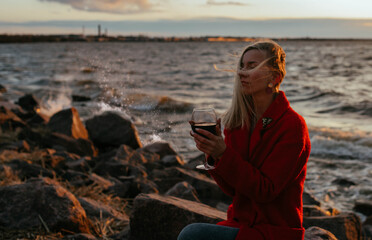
243	73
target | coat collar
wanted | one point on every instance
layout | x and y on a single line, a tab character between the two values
272	114
276	109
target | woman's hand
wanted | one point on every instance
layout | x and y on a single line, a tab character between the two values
212	145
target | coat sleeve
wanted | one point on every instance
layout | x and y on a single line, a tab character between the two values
283	164
225	187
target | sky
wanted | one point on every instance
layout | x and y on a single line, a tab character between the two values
246	18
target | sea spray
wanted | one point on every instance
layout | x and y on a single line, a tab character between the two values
55	103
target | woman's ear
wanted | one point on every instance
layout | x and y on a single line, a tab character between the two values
277	78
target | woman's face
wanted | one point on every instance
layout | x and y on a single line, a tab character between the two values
254	73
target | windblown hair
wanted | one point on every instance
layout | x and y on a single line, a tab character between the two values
242	109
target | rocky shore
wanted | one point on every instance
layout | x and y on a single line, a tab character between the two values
61	178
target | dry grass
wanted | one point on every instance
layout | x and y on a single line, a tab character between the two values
8	177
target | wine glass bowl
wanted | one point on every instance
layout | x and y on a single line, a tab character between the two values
204	118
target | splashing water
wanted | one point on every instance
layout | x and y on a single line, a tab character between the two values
55	103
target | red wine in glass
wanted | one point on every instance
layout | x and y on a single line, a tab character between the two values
204	118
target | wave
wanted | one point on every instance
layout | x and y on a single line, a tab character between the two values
362	108
338	144
311	94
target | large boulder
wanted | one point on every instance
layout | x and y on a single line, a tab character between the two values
206	188
111	130
317	233
157	217
345	226
41	201
68	122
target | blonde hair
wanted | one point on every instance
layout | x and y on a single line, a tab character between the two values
242	109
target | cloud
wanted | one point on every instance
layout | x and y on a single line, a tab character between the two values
213	2
110	6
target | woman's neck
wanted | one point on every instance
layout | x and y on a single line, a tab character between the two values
262	103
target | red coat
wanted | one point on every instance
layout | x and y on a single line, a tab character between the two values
265	173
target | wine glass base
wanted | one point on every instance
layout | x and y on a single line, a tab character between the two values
203	167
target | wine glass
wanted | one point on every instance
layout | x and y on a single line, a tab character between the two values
204	118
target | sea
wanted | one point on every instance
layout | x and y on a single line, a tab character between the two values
157	84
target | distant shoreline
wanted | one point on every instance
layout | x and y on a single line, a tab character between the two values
30	38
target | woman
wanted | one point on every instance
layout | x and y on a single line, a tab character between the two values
261	163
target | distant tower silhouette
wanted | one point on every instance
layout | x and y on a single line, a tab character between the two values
99	30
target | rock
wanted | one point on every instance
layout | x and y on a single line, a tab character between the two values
123	235
11	106
110	130
193	162
160	148
309	199
367	232
364	207
80	236
130	188
80	98
19	146
9	121
317	233
343	182
29	103
75	178
172	160
25	170
167	216
208	191
68	122
25	206
314	210
38	119
368	221
116	169
2	89
81	165
345	226
96	209
58	141
168	104
129	155
62	142
183	190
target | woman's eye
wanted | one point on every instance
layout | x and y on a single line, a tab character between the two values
249	67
